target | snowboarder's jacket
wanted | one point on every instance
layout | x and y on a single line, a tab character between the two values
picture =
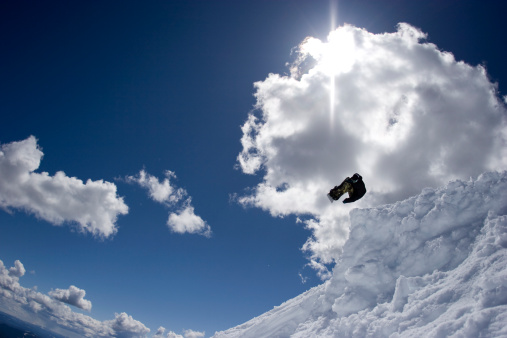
358	188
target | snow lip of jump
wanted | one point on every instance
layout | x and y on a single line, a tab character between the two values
442	252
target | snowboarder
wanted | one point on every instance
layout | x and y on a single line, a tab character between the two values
354	186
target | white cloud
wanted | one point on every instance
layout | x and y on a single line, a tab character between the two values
186	220
182	221
171	334
18	270
193	334
162	192
126	326
160	332
40	309
73	296
402	113
93	205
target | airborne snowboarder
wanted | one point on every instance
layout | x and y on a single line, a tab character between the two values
354	186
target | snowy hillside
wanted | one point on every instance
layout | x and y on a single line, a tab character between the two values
432	265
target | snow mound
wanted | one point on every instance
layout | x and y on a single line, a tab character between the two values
432	265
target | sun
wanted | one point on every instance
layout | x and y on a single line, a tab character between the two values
339	52
333	57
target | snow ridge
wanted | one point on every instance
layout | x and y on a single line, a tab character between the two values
432	265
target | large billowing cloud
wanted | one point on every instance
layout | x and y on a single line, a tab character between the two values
73	296
93	205
184	219
390	106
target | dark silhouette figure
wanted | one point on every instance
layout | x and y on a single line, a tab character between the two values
354	186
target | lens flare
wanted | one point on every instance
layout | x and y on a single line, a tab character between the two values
332	19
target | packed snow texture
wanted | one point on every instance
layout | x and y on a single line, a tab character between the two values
434	265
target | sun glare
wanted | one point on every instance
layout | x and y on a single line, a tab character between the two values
332	19
339	53
336	56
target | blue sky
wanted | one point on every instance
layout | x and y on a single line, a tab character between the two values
114	88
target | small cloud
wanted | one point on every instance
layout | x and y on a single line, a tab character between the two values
186	334
18	270
182	221
193	334
93	206
72	296
160	332
303	279
126	326
186	221
159	191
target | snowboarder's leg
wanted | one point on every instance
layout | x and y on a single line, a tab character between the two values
348	188
338	191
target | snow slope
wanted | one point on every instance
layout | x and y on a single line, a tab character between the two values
434	265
